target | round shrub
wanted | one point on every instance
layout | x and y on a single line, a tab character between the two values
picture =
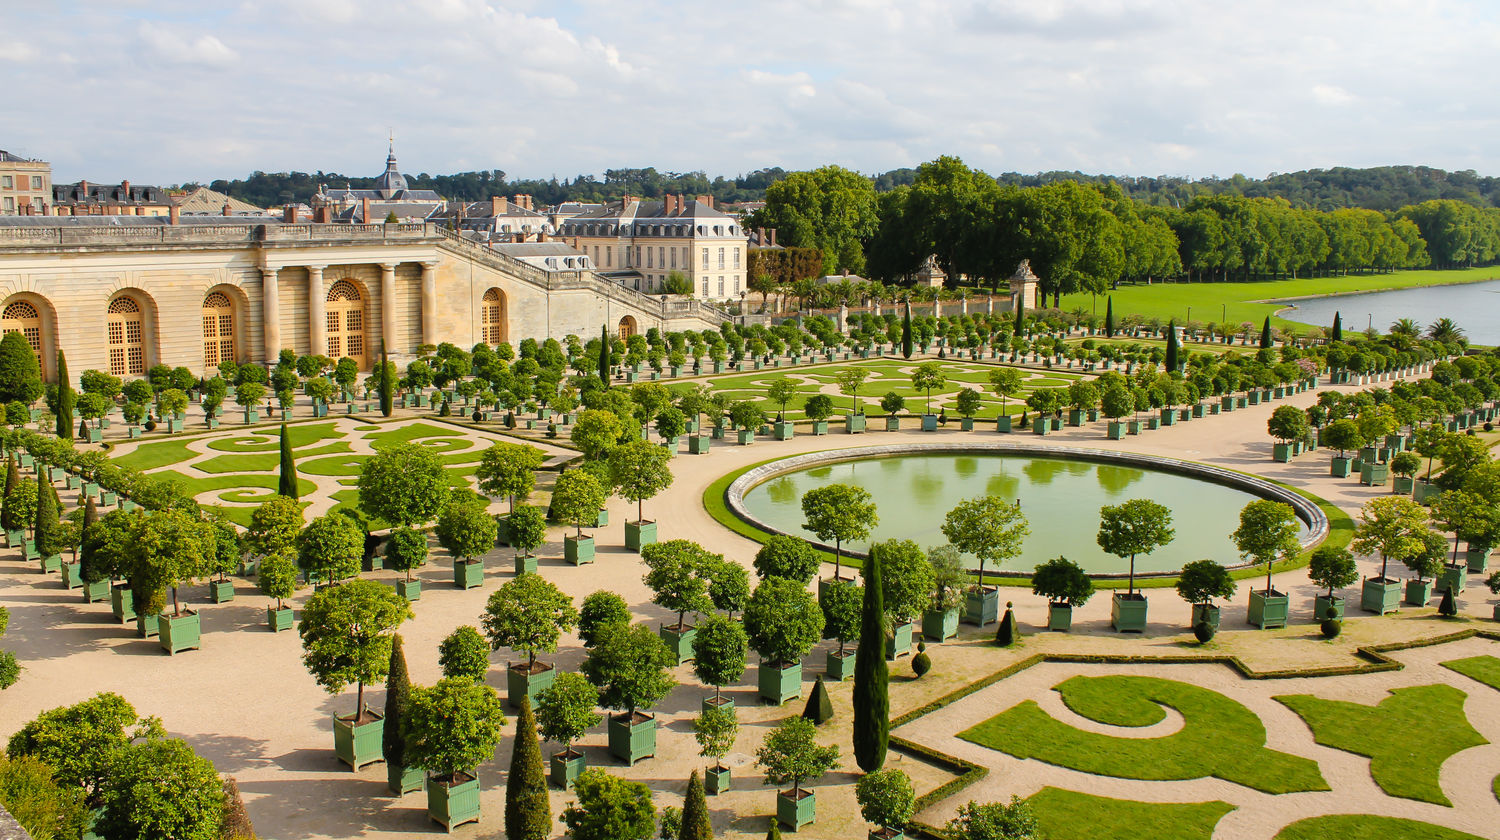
1203	632
921	664
1331	627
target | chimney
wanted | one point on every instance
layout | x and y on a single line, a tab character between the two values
668	204
125	188
497	205
323	215
289	214
140	210
773	236
706	200
626	199
528	202
364	210
83	187
760	237
227	211
172	213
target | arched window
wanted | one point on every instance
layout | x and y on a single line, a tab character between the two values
345	313
492	318
218	330
127	346
627	327
23	318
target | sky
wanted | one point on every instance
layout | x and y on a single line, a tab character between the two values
172	91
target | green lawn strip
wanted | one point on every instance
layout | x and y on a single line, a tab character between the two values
262	461
333	465
267	438
1367	827
1232	301
1407	737
194	486
149	456
1485	669
1219	737
407	434
1069	815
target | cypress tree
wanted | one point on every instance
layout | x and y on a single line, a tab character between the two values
1109	317
1005	634
1265	334
397	698
906	332
286	484
604	355
695	822
528	811
872	702
819	706
1338	327
12	478
1172	347
1020	315
387	387
65	399
45	527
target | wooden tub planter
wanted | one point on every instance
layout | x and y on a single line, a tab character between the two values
51	563
525	564
278	620
411	590
1168	417
699	444
1059	616
1325	607
403	780
1115	430
602	519
1380	595
122	602
899	643
468	574
453	801
892	423
96	591
1281	453
180	632
783	430
840	666
1128	612
940	625
1478	559
745	436
578	550
640	534
679	640
527	680
1268	609
779	682
221	591
1418	593
981	606
146	626
795	809
1041	426
887	834
1134	427
1205	614
966	424
357	743
1153	423
1340	467
72	575
632	737
820	427
1454	576
716	780
1402	485
854	424
1373	474
565	767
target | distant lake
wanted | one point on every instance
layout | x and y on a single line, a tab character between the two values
1475	306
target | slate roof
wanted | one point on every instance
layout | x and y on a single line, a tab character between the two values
70	195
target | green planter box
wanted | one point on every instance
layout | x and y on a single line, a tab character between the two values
1402	485
565	768
783	430
1059	616
1452	575
1339	467
1002	423
72	577
892	423
631	740
940	626
1168	417
639	534
522	682
1056	424
679	640
179	632
403	780
1423	492
15	539
1268	610
1373	474
1326	607
1075	417
1198	411
1134	427
453	804
221	591
578	550
96	591
718	433
1205	613
411	590
468	575
794	812
1418	593
1041	426
716	780
359	745
981	606
279	620
602	520
839	668
779	682
1127	612
929	422
525	564
1478	559
1380	595
854	424
966	424
122	602
1281	452
1115	430
1153	423
899	643
820	427
147	626
252	416
699	444
745	436
1254	397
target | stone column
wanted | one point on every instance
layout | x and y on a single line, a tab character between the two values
388	306
317	320
270	297
429	303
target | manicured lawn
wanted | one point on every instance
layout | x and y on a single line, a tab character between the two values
1407	737
262	461
268	439
1219	301
149	456
1219	737
1485	669
407	434
1068	815
335	465
1367	827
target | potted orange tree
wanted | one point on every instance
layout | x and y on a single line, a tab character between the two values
992	530
528	615
629	667
791	755
783	622
450	729
1138	526
1267	533
564	712
1065	585
1199	583
1333	567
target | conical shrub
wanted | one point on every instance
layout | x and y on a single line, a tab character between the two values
819	705
695	822
528	811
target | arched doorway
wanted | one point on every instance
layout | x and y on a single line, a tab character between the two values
218	330
492	326
627	327
125	328
345	311
22	317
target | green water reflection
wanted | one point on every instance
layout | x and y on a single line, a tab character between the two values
1061	499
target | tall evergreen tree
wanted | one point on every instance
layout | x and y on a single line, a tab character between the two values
695	822
286	484
12	476
1338	327
1020	314
1265	334
872	701
45	527
1172	349
1109	317
906	332
528	811
66	399
604	355
397	699
387	386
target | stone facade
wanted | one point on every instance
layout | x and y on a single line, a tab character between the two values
25	185
642	243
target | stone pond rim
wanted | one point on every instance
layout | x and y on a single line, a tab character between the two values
1307	510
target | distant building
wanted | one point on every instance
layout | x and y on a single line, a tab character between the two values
206	202
122	199
829	279
561	214
641	243
499	219
548	256
389	195
25	185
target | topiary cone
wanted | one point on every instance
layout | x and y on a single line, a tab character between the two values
1448	607
1005	634
819	708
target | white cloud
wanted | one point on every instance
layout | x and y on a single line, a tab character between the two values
1332	95
177	47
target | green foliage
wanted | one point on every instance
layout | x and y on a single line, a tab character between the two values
528	810
1342	435
577	498
886	798
871	698
791	755
465	528
831	209
782	620
1201	581
405	549
609	808
696	824
926	377
819	708
160	788
277	576
172	548
452	727
402	484
841	602
346	635
1060	580
397	703
81	742
565	710
839	512
45	809
274	526
922	662
630	668
44	527
1288	423
1391	526
676	574
719	651
640	470
528	614
330	548
907	577
526	529
595	432
598	613
66	399
464	653
19	511
286	482
1138	526
786	557
509	469
20	375
715	730
987	527
1333	567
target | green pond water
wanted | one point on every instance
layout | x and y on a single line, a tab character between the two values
1061	500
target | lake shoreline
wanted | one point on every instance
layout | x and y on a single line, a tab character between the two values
1278	312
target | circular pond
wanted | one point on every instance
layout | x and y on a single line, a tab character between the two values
1060	490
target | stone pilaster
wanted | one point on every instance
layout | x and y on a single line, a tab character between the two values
317	318
271	312
429	303
388	307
